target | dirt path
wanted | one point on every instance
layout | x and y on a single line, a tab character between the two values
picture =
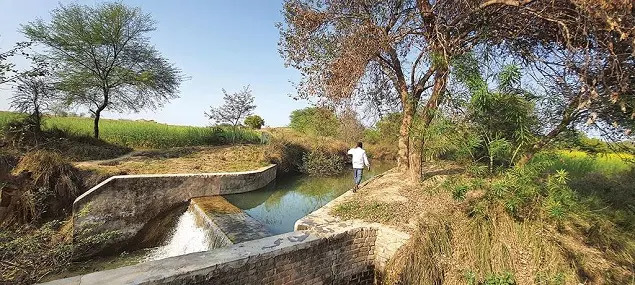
395	199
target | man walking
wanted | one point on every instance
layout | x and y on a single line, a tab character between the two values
359	161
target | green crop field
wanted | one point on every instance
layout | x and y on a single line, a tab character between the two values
143	134
579	162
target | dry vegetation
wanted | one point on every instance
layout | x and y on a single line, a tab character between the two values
184	160
463	235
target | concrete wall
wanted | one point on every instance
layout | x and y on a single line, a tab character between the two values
292	258
226	220
122	205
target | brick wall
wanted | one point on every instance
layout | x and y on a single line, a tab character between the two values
342	259
293	258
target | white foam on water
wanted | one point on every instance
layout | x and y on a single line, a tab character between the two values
187	237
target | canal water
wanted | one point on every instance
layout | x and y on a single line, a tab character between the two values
278	206
286	200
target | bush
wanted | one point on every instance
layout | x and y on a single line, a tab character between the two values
31	254
288	149
388	128
588	197
320	163
254	122
286	154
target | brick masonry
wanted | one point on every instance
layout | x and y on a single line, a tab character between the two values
322	223
293	258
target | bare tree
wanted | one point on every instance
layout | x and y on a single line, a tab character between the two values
105	59
33	95
236	108
8	71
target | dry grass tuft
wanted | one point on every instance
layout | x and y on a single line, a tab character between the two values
47	189
456	249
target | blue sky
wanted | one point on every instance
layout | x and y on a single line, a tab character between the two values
217	44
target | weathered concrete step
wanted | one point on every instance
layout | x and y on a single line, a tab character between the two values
235	224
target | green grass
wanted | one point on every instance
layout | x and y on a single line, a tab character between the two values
365	210
7	117
143	134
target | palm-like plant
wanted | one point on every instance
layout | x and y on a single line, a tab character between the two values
503	117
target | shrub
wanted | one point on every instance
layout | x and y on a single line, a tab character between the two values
288	149
388	128
372	136
254	122
31	254
321	163
286	154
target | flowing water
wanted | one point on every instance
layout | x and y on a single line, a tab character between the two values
278	206
189	235
286	200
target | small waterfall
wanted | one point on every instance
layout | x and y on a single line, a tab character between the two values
190	234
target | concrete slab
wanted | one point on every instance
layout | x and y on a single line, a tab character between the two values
229	219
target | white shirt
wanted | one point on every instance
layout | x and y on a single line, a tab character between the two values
359	157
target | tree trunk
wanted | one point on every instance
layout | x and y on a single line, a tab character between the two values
403	154
98	113
416	151
417	144
37	121
96	124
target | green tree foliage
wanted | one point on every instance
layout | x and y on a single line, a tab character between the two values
388	127
315	121
105	58
254	121
503	117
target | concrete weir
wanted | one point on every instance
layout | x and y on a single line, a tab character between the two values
323	250
228	222
122	205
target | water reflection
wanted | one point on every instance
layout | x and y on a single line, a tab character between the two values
282	203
